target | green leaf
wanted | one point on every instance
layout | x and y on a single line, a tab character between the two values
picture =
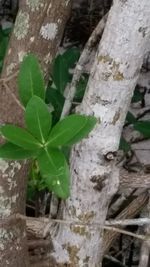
137	96
1	65
62	64
55	171
20	137
3	46
124	145
50	161
143	127
31	192
66	151
71	56
60	185
130	118
85	129
4	38
80	89
7	31
38	119
61	74
35	181
54	97
13	152
71	130
31	81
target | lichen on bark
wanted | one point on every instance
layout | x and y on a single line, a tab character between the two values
21	25
35	5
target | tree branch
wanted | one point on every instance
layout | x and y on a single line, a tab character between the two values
84	58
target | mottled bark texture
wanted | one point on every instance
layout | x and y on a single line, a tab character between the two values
38	29
93	161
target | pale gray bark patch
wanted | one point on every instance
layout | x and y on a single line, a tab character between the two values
35	5
21	25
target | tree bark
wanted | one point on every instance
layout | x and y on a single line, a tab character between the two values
38	29
93	161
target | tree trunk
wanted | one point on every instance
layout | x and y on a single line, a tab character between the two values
93	162
38	29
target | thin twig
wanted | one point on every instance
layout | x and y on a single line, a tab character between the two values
114	260
121	231
139	222
125	222
49	221
84	58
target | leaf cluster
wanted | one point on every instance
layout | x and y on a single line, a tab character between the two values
40	139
